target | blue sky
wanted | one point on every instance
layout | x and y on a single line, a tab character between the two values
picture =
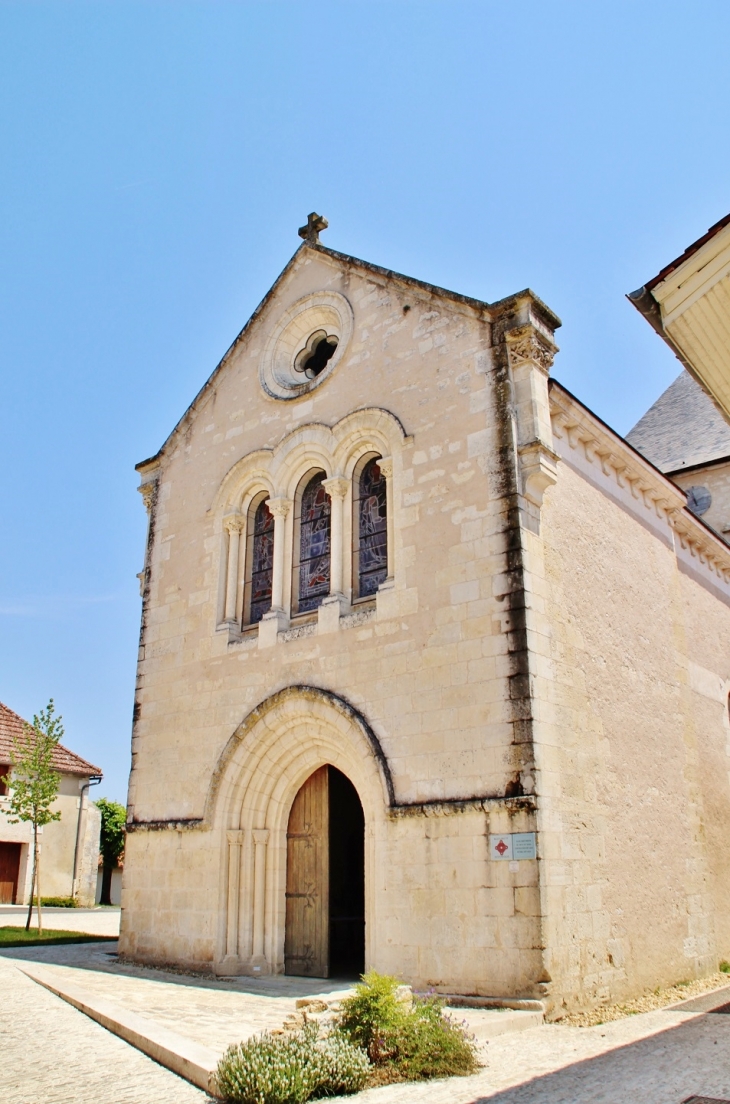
157	159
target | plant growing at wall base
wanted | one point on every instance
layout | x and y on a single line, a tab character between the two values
407	1038
111	842
33	784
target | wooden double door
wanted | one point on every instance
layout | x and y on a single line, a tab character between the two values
9	870
325	879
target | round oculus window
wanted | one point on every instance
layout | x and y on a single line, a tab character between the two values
306	345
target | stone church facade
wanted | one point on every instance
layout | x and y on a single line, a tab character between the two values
434	666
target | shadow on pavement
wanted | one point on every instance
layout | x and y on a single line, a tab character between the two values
666	1068
102	957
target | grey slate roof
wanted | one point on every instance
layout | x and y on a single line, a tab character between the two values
682	428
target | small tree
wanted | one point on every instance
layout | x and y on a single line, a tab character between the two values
33	785
111	843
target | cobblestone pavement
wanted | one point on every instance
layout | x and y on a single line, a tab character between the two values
659	1057
52	1054
98	921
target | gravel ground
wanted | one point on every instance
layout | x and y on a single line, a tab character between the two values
659	998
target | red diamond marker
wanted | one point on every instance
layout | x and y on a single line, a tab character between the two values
501	847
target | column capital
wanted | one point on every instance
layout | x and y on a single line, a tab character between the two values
279	507
260	835
148	490
527	344
385	463
337	486
235	837
234	523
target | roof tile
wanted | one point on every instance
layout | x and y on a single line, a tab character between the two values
64	761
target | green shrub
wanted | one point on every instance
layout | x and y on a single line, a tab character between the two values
57	902
407	1040
291	1069
725	967
373	1014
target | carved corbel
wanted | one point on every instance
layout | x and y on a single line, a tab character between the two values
538	470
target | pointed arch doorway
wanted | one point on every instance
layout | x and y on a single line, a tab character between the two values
325	879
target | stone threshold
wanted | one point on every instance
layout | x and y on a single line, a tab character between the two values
189	1060
517	1004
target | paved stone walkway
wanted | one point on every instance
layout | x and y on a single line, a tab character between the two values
98	921
52	1054
657	1058
212	1012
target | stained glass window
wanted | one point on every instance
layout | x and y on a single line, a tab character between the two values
372	542
262	562
314	545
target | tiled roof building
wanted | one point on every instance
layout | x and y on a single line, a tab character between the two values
64	761
685	435
70	846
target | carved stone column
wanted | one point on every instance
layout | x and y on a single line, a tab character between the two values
231	962
336	488
234	526
531	354
259	965
276	620
386	466
279	507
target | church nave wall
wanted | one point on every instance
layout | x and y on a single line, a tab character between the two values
633	760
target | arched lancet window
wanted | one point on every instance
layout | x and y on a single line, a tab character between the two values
370	523
311	544
259	560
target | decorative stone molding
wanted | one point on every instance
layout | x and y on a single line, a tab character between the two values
336	487
526	344
259	963
531	353
234	523
148	492
279	507
358	617
526	803
334	449
580	431
230	963
323	310
298	631
538	470
386	466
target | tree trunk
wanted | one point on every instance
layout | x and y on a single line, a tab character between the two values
32	878
38	890
106	884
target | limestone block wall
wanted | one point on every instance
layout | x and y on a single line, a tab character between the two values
633	741
439	912
427	665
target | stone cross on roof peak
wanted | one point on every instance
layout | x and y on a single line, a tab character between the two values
315	224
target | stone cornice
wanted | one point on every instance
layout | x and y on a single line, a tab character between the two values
439	808
455	806
578	428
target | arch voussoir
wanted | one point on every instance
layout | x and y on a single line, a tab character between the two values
280	743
